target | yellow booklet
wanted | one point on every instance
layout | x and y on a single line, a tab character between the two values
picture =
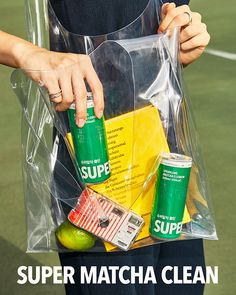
135	141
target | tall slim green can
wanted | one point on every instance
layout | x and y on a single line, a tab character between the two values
170	196
90	144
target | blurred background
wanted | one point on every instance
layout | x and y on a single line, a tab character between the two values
211	84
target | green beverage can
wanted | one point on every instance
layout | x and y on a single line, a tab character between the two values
90	144
170	196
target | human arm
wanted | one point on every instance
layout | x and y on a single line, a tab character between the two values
56	71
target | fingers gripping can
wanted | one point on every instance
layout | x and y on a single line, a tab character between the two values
170	196
90	144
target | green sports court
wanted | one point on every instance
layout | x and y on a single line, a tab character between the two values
211	84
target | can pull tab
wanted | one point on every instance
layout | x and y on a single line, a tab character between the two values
102	218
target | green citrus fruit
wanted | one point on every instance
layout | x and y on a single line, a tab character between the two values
74	238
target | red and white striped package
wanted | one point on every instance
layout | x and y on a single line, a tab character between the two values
106	219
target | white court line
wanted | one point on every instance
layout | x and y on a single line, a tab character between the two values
223	54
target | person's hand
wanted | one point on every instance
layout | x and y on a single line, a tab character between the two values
64	75
193	33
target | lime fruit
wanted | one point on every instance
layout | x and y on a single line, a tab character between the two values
74	238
